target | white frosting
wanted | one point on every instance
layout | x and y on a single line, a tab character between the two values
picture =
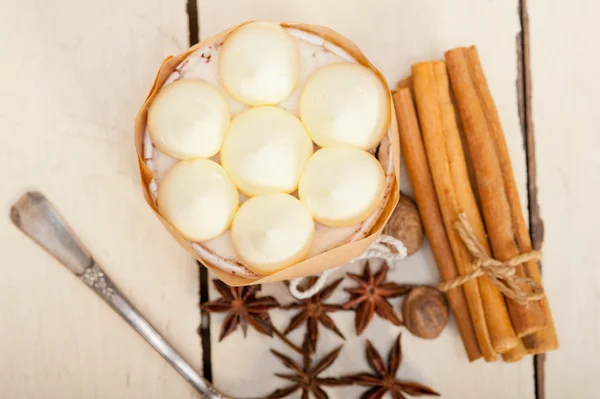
265	150
188	119
341	186
271	232
198	199
345	104
260	63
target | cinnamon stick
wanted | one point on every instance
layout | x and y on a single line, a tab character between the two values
414	154
451	181
546	339
477	111
515	354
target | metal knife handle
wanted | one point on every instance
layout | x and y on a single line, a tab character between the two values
39	220
96	279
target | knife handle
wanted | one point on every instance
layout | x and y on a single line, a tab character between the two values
96	279
35	216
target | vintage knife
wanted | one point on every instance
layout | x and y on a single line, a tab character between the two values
38	219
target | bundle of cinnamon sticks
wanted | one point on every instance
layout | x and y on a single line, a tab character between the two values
470	176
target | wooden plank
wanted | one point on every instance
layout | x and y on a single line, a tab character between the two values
564	98
393	35
536	225
74	75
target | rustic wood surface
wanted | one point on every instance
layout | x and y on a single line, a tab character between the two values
75	74
567	135
407	32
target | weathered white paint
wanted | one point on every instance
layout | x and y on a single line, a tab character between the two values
567	133
74	74
393	34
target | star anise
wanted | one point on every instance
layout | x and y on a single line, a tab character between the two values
306	377
370	296
313	311
243	307
384	380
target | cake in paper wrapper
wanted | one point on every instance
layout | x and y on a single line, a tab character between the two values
208	75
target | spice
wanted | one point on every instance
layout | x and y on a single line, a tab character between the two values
516	353
413	151
405	224
497	190
243	308
495	204
371	296
384	379
305	377
425	312
451	179
313	311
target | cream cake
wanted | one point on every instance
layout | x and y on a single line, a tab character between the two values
250	124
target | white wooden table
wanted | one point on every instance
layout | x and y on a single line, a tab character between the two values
74	74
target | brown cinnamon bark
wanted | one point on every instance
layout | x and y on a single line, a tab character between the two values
418	169
515	354
493	175
545	340
454	192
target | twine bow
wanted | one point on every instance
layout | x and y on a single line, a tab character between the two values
502	274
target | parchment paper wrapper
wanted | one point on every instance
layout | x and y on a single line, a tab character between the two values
327	260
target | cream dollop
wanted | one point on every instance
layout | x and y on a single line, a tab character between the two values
188	119
198	199
265	150
272	232
341	186
345	104
260	63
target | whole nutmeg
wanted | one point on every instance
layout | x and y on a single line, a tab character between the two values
405	224
425	312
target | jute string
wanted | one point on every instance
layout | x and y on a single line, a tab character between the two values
502	274
385	247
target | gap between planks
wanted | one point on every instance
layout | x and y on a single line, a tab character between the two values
536	225
204	328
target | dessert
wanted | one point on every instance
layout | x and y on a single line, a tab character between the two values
345	104
266	147
188	119
271	232
265	151
260	63
341	186
198	198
